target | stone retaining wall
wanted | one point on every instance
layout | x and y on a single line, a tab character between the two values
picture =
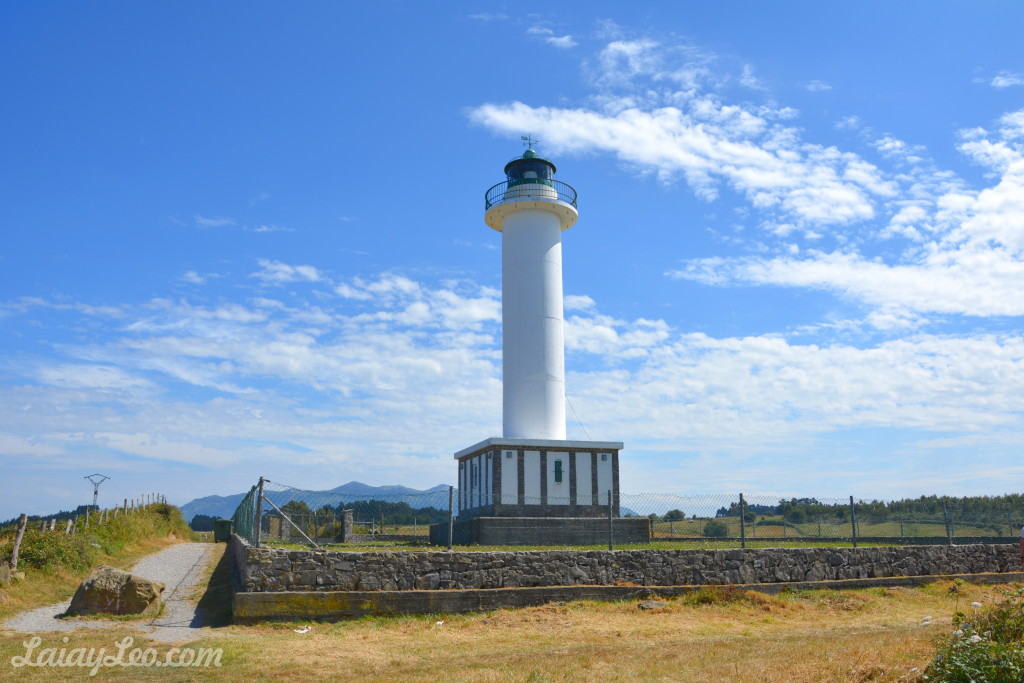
272	570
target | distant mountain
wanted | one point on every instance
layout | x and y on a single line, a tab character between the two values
224	506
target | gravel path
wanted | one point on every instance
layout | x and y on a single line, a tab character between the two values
178	567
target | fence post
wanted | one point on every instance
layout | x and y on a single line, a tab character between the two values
611	541
53	523
22	523
853	521
451	520
949	528
257	523
743	527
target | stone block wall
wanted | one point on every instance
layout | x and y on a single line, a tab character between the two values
269	570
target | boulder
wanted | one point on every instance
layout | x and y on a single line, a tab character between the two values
112	591
5	572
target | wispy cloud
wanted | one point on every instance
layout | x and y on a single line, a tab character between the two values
278	272
818	86
1007	79
486	16
192	277
548	36
218	222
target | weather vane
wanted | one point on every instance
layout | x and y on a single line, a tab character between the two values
528	139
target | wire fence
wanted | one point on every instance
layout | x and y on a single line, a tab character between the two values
277	514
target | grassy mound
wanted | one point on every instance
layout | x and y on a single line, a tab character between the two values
51	550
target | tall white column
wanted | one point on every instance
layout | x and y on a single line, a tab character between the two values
532	325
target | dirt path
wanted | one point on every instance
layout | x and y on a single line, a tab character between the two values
178	567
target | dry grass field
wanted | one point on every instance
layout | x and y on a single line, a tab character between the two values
712	635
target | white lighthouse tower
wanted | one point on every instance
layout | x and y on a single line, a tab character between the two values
531	209
531	484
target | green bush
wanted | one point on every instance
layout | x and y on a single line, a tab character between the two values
985	646
796	516
716	529
48	550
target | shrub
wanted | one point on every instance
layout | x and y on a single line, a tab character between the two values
674	516
50	549
796	516
986	646
716	529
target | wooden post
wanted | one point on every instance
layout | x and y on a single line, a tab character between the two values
853	521
22	523
53	523
611	543
67	528
451	521
743	526
949	527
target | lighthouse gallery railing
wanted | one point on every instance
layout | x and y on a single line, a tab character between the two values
530	189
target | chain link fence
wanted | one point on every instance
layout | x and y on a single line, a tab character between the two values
277	514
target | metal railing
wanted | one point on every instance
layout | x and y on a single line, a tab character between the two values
530	189
422	519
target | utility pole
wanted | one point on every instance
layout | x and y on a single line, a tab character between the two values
96	480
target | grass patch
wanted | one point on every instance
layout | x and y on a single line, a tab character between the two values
55	563
716	634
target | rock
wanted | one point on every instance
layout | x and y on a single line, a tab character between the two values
652	604
5	572
112	591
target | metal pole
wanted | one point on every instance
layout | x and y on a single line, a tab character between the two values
259	515
451	521
743	526
853	521
611	543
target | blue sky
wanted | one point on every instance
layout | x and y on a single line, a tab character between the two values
245	239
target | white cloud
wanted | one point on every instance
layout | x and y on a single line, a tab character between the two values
549	37
818	86
278	272
219	222
1007	79
193	277
578	303
705	144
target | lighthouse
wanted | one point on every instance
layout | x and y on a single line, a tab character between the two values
532	485
530	209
